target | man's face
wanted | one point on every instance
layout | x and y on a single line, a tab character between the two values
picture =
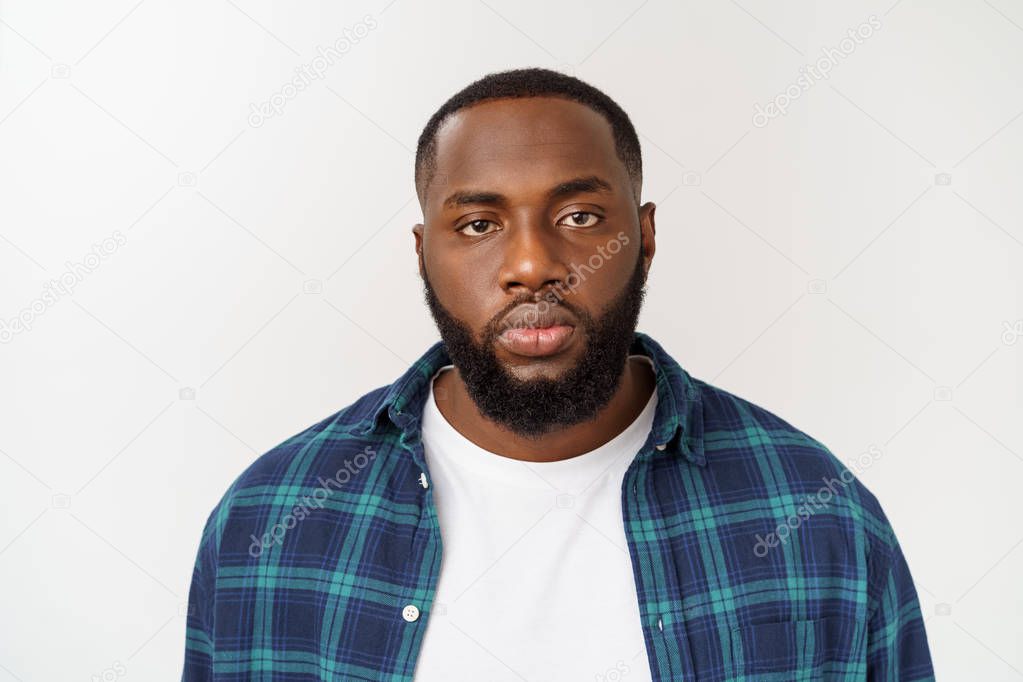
531	222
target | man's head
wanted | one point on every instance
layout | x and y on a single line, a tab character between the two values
521	83
534	249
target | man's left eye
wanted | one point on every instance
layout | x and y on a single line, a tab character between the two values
582	219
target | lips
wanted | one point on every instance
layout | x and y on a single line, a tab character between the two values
537	330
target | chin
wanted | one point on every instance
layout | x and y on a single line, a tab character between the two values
551	367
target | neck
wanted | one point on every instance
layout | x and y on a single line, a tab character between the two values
629	399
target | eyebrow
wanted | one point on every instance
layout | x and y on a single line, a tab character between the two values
584	184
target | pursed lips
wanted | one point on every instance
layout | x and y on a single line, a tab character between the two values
537	330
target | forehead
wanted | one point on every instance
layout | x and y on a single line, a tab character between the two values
522	145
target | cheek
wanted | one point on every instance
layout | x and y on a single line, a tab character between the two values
465	289
602	273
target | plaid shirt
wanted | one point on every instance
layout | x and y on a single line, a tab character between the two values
757	554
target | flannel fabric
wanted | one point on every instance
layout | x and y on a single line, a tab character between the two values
757	554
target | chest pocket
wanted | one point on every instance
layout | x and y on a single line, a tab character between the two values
829	648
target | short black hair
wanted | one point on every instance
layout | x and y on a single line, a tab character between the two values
531	82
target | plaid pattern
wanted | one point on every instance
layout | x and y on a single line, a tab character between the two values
307	565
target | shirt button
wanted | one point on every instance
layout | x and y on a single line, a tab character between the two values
422	480
410	613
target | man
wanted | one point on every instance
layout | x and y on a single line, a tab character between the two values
546	494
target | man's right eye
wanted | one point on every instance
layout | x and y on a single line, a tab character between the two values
476	227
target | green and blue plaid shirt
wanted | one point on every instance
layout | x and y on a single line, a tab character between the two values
757	554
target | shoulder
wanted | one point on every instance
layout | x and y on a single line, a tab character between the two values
315	456
305	452
752	448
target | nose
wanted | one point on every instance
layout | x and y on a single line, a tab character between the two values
534	258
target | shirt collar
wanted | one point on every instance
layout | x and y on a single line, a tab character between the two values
678	421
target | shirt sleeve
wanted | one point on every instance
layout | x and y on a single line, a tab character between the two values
897	649
199	641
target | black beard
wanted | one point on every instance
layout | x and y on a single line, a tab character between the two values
534	407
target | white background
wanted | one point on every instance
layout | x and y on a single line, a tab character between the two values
854	266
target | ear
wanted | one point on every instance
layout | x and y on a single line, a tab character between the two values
417	232
648	231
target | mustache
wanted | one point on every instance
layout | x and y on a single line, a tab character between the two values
541	306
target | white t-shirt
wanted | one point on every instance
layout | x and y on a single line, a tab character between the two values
536	580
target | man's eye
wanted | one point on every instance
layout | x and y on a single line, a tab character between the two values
476	227
582	219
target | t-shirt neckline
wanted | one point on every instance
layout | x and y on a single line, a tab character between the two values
443	441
